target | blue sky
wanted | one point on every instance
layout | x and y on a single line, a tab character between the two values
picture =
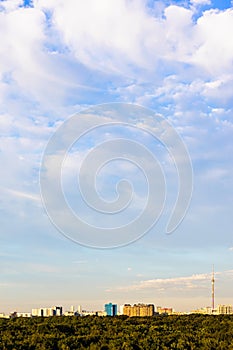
58	58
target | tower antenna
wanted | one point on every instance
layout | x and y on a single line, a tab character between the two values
212	282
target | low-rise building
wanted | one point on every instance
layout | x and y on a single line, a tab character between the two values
24	314
101	313
88	313
204	311
164	310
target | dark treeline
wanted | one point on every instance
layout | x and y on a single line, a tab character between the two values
118	333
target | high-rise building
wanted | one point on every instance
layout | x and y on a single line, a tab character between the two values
224	310
79	310
110	309
121	310
46	312
127	309
138	310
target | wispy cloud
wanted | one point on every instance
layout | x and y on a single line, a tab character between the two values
24	195
201	2
168	283
177	283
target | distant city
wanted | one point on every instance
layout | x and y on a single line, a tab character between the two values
111	309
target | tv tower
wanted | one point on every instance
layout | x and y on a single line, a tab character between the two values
212	282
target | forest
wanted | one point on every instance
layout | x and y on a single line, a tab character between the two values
184	332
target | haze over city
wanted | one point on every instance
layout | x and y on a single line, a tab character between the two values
58	58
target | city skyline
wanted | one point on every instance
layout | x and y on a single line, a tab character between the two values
111	309
59	58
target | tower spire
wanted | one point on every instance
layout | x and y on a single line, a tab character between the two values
212	281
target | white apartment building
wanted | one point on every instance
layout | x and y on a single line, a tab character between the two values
46	312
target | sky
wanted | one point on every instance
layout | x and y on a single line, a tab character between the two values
59	58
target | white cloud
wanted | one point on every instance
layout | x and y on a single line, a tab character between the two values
33	64
21	40
188	282
11	5
137	37
215	48
177	283
25	195
84	27
215	174
28	67
201	2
